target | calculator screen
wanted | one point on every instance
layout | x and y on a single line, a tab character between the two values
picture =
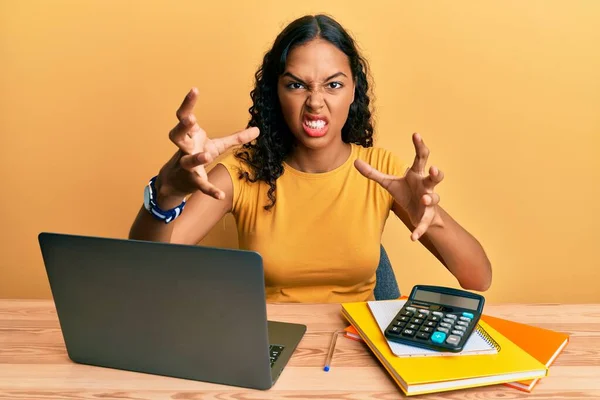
442	298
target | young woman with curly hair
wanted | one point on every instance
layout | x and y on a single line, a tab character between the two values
308	190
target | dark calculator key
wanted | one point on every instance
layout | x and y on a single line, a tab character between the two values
396	330
399	324
408	332
426	329
406	313
433	318
421	315
422	335
431	324
417	320
413	326
404	319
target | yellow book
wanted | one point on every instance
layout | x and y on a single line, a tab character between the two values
422	375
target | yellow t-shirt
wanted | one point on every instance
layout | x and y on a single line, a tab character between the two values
320	241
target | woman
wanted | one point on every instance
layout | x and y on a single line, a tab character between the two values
307	189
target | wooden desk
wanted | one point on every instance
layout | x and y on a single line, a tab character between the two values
34	363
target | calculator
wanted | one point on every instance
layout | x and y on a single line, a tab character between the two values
436	318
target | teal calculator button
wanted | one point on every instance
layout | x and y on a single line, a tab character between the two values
438	337
468	315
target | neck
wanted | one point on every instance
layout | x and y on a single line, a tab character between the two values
315	161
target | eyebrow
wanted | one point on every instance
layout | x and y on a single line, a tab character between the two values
289	74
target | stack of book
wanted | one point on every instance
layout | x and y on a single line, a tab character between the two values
498	352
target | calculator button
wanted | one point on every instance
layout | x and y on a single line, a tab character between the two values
459	333
412	326
416	321
467	315
422	335
408	332
406	313
411	309
434	318
399	323
438	314
445	325
451	316
426	312
453	340
438	337
460	328
431	324
421	315
396	330
426	329
462	323
448	320
404	319
445	330
465	319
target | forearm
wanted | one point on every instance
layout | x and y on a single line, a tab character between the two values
145	227
460	252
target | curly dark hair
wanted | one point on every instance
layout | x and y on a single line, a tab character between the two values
266	154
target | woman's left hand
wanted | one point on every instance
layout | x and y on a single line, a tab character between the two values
414	191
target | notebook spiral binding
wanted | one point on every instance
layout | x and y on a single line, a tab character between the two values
488	339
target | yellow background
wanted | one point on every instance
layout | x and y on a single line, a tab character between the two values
506	95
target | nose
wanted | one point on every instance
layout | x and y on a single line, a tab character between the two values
315	100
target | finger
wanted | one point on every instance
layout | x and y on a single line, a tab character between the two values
430	199
421	154
369	172
183	133
184	130
435	177
208	188
189	162
187	106
423	225
242	137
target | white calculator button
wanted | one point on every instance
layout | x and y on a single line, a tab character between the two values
451	316
445	325
439	314
442	330
462	323
448	320
411	309
465	319
453	339
460	328
426	312
459	333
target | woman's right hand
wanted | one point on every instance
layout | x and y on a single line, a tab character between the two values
184	173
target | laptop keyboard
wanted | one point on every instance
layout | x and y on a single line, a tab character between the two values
274	352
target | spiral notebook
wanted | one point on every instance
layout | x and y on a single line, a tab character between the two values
421	375
480	341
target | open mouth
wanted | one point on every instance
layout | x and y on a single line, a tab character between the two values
315	126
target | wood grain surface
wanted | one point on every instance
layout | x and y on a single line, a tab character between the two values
34	363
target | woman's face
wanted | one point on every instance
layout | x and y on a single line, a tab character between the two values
315	92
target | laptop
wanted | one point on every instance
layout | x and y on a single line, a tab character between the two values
184	311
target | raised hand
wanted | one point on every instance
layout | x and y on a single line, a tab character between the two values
184	173
413	192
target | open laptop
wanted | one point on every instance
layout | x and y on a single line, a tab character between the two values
184	311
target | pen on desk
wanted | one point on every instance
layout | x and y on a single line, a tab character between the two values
331	349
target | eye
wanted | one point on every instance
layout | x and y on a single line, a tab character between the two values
335	85
295	86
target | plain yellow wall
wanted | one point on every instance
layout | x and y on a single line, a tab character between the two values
506	94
